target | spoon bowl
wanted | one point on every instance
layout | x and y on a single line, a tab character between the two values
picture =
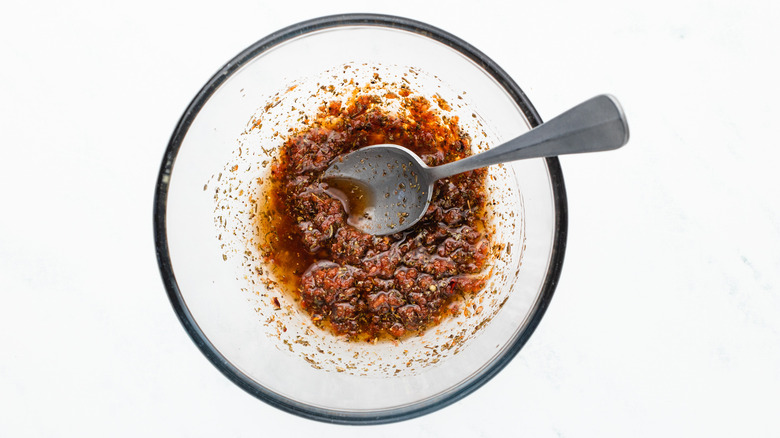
387	188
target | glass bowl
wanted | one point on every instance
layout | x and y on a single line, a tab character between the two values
207	196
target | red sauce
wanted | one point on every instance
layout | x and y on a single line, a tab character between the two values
361	285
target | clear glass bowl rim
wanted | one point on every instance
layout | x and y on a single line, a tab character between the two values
177	300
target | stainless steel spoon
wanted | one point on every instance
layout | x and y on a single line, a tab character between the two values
388	188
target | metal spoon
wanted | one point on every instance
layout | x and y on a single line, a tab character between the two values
388	188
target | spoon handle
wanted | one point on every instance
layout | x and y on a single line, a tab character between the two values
595	125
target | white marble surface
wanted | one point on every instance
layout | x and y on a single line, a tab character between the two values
666	321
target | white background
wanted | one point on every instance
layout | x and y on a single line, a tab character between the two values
666	321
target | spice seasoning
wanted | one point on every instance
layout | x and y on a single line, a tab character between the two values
366	286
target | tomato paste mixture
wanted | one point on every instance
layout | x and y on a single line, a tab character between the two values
364	286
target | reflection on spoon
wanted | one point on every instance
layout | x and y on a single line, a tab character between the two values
356	197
